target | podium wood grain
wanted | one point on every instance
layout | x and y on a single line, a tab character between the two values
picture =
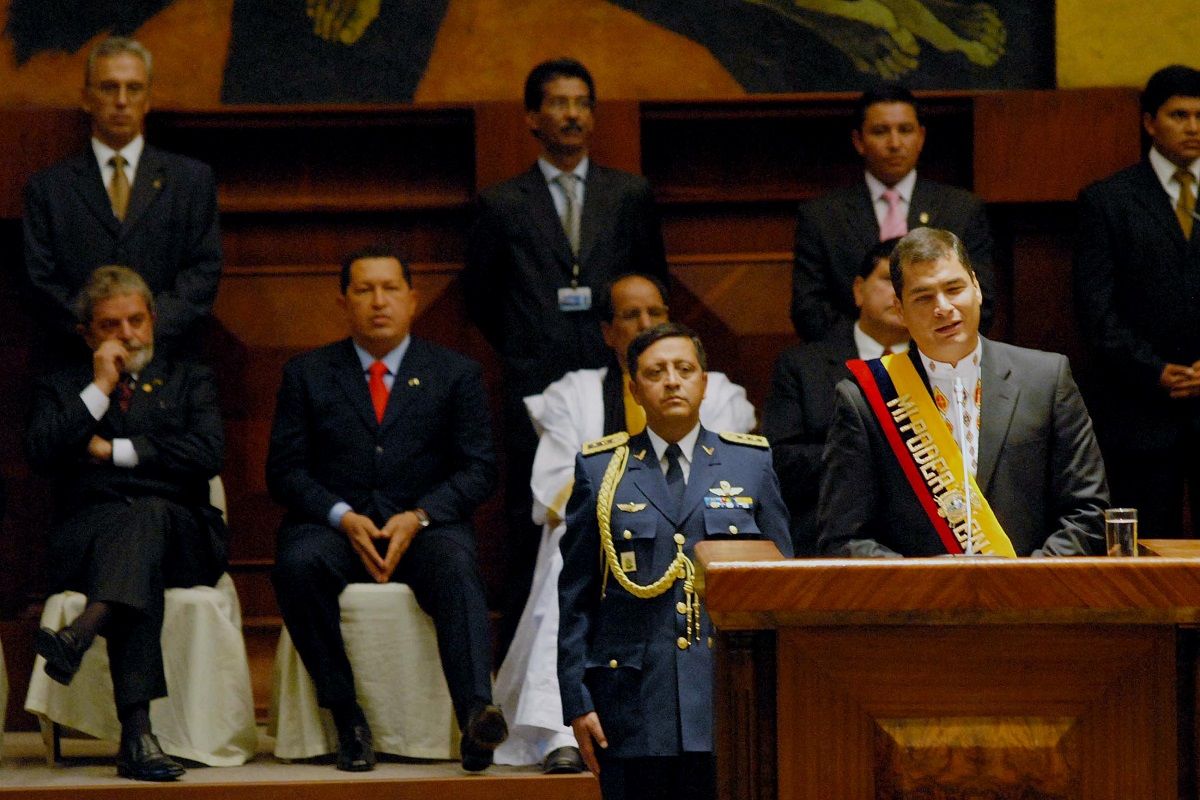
954	678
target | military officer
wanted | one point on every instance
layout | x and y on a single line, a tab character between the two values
635	647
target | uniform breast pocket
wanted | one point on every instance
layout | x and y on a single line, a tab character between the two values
730	523
633	536
614	678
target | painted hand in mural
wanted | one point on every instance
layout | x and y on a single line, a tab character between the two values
342	21
880	36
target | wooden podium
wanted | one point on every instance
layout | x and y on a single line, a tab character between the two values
953	678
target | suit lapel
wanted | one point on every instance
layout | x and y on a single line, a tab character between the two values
89	183
543	216
1149	192
703	475
348	374
597	196
147	184
412	381
861	223
924	209
647	476
997	404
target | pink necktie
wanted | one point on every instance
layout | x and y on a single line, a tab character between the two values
894	224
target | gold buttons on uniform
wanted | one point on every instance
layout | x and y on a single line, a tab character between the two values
628	534
682	642
681	607
680	538
733	529
612	664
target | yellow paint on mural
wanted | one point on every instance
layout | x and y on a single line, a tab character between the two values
1122	42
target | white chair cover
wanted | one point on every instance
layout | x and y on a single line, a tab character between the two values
208	715
398	678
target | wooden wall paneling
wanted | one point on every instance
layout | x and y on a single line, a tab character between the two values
1043	146
34	138
744	679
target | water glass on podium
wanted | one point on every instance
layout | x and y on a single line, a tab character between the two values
1121	531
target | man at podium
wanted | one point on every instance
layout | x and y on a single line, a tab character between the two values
911	430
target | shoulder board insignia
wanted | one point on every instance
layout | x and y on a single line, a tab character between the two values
751	439
607	443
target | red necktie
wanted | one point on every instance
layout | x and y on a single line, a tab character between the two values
124	395
379	390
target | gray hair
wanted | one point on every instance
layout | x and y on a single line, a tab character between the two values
106	282
922	245
116	45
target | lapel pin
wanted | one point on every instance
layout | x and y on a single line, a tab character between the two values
158	183
924	217
146	387
639	455
707	449
414	381
631	508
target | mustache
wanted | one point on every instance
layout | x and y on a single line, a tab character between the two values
572	127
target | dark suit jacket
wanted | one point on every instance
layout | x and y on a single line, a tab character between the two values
796	420
169	236
175	426
1039	466
518	257
835	231
1137	289
618	655
432	451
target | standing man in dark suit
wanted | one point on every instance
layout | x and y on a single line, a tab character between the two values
543	246
800	406
381	451
834	231
913	433
1137	289
635	661
122	201
130	441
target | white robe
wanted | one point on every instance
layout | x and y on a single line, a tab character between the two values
569	413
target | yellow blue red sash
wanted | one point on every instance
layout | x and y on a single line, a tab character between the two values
927	454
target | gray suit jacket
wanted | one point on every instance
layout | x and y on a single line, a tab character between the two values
835	231
1039	467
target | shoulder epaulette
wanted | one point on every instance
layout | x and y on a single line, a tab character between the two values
751	439
609	442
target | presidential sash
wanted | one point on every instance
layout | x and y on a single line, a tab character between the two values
928	456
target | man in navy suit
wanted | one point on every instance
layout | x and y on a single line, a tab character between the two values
1137	290
799	408
834	231
130	440
381	451
543	246
635	665
122	201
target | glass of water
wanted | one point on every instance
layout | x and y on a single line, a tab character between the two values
1121	531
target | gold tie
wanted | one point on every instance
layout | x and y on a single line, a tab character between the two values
118	187
1185	209
635	415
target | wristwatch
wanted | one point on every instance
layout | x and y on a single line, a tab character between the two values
422	517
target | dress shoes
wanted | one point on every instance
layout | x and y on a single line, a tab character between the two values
356	749
63	652
563	761
486	729
141	759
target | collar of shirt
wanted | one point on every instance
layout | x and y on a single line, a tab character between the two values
868	348
687	445
967	368
391	360
1165	170
904	188
132	153
551	172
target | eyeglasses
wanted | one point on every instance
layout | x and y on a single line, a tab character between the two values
112	89
560	103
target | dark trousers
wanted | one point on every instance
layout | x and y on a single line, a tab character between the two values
314	564
126	553
524	537
690	775
1153	482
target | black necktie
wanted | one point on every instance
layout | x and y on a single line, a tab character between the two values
675	483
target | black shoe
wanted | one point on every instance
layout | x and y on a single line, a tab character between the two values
486	729
356	749
563	761
141	759
63	652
